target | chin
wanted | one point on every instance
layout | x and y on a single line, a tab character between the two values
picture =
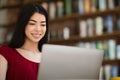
37	40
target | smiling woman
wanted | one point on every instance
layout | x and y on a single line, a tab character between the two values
35	28
20	59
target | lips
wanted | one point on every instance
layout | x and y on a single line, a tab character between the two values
36	35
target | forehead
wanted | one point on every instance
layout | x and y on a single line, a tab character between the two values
38	17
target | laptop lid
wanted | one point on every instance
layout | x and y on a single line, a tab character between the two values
69	63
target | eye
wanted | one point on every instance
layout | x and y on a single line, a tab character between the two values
43	25
30	23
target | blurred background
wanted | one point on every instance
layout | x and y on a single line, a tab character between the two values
81	23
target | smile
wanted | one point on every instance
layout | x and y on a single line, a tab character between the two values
36	35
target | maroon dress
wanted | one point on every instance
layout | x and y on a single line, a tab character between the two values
19	68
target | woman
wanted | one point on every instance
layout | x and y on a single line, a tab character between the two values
20	59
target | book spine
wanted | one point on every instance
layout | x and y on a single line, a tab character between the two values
114	71
118	23
60	8
82	28
102	5
99	25
68	7
118	51
75	6
90	26
109	23
111	4
112	49
81	7
52	10
53	34
66	33
105	45
107	72
87	6
93	5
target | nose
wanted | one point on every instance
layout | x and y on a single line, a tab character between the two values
38	28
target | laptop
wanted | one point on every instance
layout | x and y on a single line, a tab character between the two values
61	62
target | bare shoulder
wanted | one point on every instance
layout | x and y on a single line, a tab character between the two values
3	67
2	59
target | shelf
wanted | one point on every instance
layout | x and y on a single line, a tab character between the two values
73	39
85	16
22	2
112	62
10	6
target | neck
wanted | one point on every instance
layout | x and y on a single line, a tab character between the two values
30	47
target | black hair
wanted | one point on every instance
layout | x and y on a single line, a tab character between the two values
26	12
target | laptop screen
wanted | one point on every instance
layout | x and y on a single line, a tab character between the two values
69	63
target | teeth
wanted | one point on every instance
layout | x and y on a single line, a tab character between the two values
36	35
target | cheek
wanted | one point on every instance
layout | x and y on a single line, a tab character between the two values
44	29
27	30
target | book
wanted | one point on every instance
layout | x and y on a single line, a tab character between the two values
107	72
60	8
101	74
118	51
82	28
90	27
99	25
53	34
81	8
93	44
99	45
93	6
105	46
111	4
109	23
118	23
112	49
114	71
87	6
87	45
52	10
102	5
70	24
80	44
66	33
68	7
75	6
117	3
60	33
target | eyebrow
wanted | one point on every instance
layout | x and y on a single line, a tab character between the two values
36	21
43	21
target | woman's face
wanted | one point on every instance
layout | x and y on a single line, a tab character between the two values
35	28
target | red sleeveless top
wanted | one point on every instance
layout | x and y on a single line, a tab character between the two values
19	68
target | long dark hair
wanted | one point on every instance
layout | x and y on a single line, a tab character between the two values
26	12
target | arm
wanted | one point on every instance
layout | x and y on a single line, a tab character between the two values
3	67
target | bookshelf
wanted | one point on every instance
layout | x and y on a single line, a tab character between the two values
93	38
71	20
85	16
110	64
